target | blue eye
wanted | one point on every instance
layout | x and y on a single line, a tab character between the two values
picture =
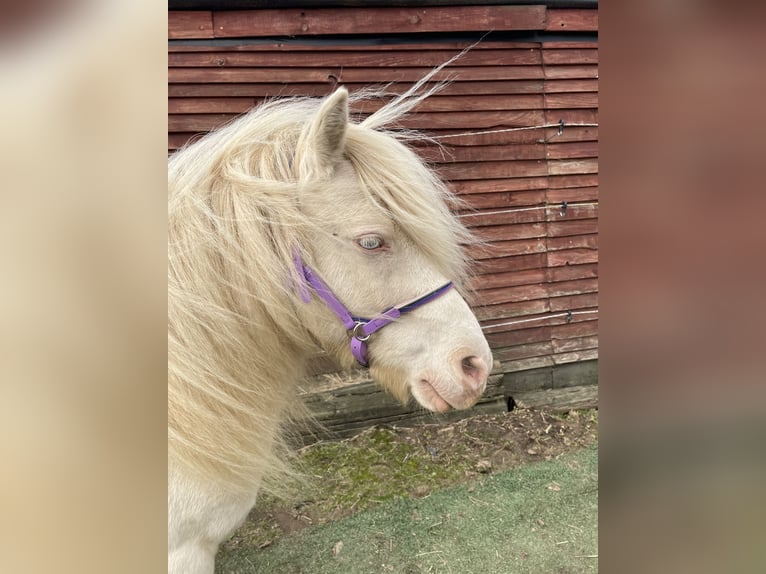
370	242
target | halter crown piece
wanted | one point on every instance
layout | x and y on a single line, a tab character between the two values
360	328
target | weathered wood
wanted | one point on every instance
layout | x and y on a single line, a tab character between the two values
581	71
209	105
505	248
495	169
572	257
515	278
355	75
577	227
504	199
557	56
297	45
499	185
571	100
506	311
572	194
512	294
573	287
584	397
561	182
572	20
389	58
573	302
191	24
571	273
360	20
571	150
270	89
565	86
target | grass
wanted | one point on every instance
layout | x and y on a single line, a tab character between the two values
537	518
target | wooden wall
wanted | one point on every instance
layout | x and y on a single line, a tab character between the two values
536	283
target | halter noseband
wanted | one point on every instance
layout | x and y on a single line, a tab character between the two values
361	329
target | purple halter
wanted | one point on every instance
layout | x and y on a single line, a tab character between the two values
361	329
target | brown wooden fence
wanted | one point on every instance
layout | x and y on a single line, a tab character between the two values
534	192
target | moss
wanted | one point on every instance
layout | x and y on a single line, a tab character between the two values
384	469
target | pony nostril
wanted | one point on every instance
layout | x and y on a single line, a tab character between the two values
475	371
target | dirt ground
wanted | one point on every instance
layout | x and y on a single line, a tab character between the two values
345	477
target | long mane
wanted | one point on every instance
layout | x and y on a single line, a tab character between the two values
234	340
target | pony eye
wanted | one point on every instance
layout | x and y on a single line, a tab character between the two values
370	242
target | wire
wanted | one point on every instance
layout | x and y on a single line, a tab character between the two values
568	314
559	125
536	208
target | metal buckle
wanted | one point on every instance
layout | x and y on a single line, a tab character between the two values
355	334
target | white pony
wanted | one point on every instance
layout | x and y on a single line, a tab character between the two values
292	229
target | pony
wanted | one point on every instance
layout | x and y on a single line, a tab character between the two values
294	229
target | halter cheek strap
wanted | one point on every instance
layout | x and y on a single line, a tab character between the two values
360	328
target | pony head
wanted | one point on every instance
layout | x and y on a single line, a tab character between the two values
381	235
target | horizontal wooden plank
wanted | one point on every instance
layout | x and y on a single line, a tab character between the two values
197	122
499	185
300	45
575	357
512	294
190	24
503	217
557	56
514	232
561	182
574	344
575	287
574	302
576	328
449	154
471	102
509	310
270	89
519	336
361	20
353	75
573	242
571	150
513	278
574	211
518	352
507	247
504	199
569	86
492	169
572	257
572	273
579	71
514	367
571	100
572	194
362	58
210	105
572	20
578	227
566	399
572	166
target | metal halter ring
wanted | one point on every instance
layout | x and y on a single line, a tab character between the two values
354	333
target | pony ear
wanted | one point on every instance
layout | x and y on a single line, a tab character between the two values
324	139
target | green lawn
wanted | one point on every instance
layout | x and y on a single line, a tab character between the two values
540	518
